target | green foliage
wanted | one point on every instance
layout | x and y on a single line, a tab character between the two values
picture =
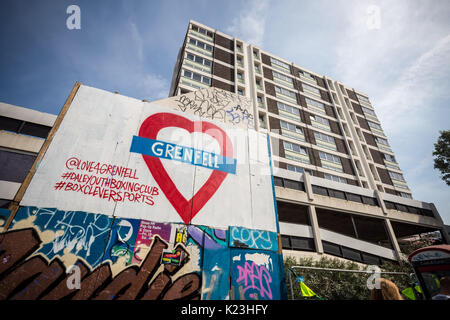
411	246
332	285
442	155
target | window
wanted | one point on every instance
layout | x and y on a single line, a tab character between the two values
290	167
260	100
335	178
200	44
15	166
202	31
278	63
239	47
278	181
285	92
354	197
319	120
279	76
24	127
294	148
240	77
382	141
325	141
313	90
262	123
361	98
306	75
368	111
295	152
390	158
405	195
291	184
290	127
291	130
324	137
197	77
374	125
239	61
315	105
257	68
198	59
300	243
336	194
285	107
240	91
396	176
330	161
329	157
255	54
320	190
187	74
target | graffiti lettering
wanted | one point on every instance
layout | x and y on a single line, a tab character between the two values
107	188
239	115
247	238
219	105
35	278
255	277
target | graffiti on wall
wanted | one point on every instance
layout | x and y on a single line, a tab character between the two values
131	203
255	275
24	276
219	105
127	259
253	239
146	161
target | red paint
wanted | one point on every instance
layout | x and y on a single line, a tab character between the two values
187	209
108	188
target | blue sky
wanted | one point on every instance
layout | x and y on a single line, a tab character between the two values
402	60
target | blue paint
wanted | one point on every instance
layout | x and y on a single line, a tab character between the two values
241	237
216	266
171	151
84	234
4	215
122	239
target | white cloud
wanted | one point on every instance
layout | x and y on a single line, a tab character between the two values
250	24
416	88
403	67
138	42
154	86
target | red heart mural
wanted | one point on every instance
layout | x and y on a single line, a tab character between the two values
187	209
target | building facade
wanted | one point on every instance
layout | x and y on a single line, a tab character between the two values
22	134
339	188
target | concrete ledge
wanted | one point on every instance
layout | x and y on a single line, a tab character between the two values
296	230
8	189
353	243
321	182
25	114
17	141
405	201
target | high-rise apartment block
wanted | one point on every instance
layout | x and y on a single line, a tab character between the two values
339	188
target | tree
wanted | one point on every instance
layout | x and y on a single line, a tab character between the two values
333	285
442	153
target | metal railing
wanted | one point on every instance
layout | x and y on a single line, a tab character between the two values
369	272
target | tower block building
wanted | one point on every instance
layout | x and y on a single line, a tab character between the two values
339	188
